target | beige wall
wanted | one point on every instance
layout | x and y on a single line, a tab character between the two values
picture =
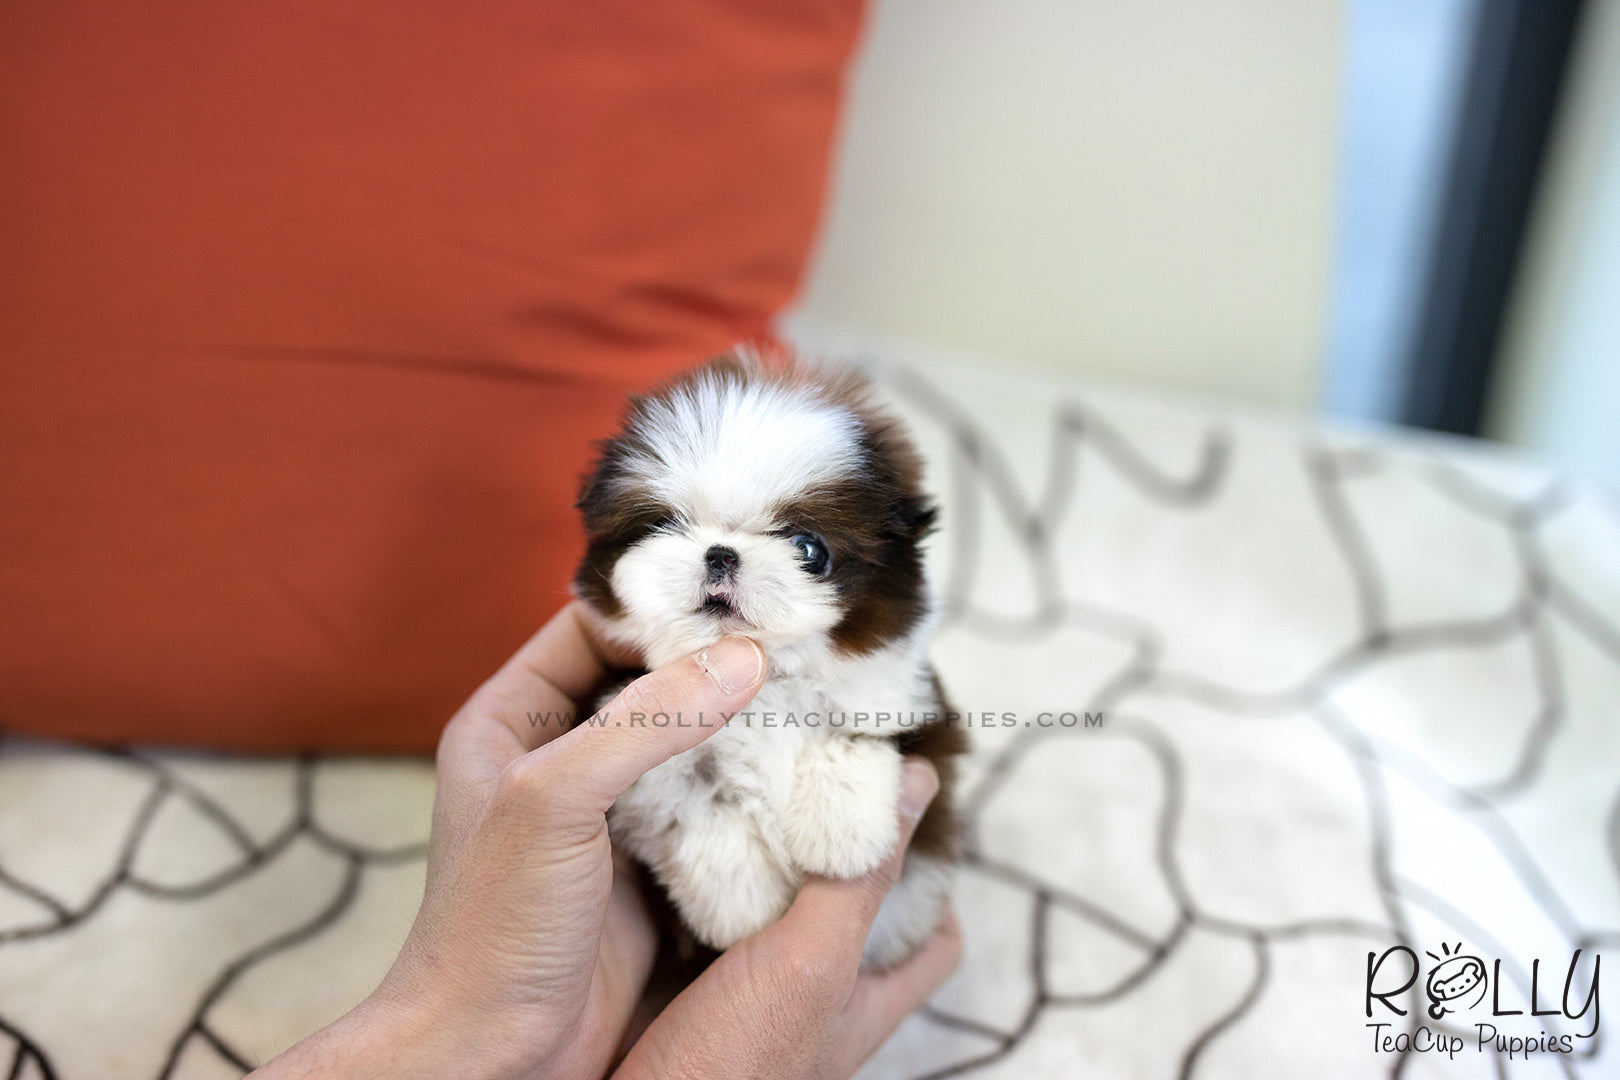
1131	188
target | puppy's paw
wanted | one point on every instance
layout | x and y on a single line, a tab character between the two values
723	878
841	819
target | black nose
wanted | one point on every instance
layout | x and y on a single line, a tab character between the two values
721	561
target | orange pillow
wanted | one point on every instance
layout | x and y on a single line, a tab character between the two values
309	313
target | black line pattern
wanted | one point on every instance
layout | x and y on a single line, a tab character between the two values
1015	515
165	783
976	467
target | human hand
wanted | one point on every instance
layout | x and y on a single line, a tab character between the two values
532	947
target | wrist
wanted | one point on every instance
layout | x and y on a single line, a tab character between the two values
391	1035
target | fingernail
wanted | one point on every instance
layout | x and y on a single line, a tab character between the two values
918	785
734	663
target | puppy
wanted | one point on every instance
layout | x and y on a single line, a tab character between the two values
778	502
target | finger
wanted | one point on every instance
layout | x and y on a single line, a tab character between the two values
575	662
654	718
628	946
533	698
527	703
883	999
554	669
840	912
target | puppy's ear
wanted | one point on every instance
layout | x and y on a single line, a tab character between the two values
915	518
607	500
593	498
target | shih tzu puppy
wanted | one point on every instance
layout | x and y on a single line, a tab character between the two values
778	502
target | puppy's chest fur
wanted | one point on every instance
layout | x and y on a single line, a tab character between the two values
766	763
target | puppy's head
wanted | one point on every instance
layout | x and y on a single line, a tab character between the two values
775	502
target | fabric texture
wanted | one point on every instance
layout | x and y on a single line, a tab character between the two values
309	315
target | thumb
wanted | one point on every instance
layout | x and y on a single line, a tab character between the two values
654	718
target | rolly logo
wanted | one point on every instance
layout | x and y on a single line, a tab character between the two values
1457	982
1516	1021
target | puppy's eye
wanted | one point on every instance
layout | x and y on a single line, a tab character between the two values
813	553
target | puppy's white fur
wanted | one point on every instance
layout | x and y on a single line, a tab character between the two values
793	787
